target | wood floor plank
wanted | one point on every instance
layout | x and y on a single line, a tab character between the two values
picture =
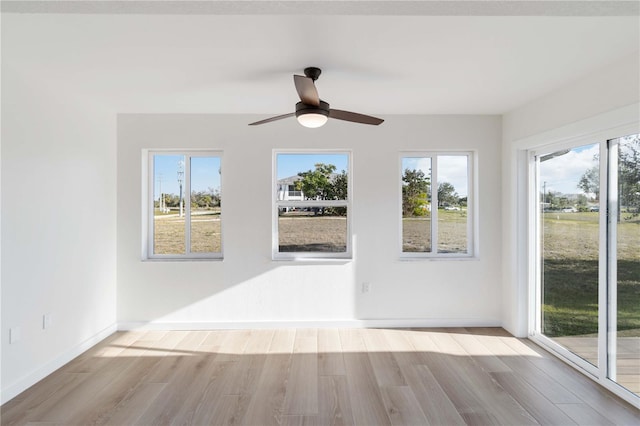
480	353
265	406
259	377
385	366
597	397
222	375
131	408
302	386
434	401
330	360
583	414
223	411
474	393
544	411
191	398
18	409
334	404
366	400
184	376
436	405
105	400
235	373
402	406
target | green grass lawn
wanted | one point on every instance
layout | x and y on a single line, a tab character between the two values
570	268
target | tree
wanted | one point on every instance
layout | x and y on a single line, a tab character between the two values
316	184
205	199
629	175
323	184
590	182
340	185
415	193
447	194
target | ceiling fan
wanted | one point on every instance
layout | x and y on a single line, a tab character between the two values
311	111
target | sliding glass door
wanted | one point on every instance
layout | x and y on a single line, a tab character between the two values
587	214
624	262
569	248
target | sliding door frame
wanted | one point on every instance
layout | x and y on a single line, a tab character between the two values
607	140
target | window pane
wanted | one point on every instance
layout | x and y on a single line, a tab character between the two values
570	190
205	205
627	360
312	229
312	177
168	220
453	178
416	204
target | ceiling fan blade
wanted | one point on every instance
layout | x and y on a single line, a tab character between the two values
354	117
306	90
276	118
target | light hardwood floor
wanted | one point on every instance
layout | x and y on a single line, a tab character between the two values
627	358
317	377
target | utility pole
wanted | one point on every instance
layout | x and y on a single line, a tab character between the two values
180	180
161	197
544	192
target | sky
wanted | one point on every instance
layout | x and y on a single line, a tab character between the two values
291	164
451	169
563	173
204	173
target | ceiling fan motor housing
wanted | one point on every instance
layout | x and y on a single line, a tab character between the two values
302	109
312	72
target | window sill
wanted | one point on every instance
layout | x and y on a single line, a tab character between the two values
185	259
438	258
314	260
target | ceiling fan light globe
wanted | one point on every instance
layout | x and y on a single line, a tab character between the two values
312	120
312	116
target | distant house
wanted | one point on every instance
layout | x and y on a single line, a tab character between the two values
286	190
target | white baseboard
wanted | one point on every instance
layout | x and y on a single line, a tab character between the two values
360	323
24	383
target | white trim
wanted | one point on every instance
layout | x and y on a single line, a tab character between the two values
345	323
610	228
603	259
535	245
600	129
619	122
29	379
148	191
276	254
472	242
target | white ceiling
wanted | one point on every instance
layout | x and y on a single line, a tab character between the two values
375	61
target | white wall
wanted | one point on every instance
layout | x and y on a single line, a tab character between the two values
605	99
58	227
249	288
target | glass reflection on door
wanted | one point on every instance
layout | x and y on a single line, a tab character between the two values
624	228
569	191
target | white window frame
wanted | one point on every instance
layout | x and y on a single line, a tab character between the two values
276	205
472	248
148	250
551	142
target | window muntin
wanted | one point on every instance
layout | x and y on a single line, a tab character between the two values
436	208
184	205
311	205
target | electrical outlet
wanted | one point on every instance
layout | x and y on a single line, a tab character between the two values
47	321
366	287
14	335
